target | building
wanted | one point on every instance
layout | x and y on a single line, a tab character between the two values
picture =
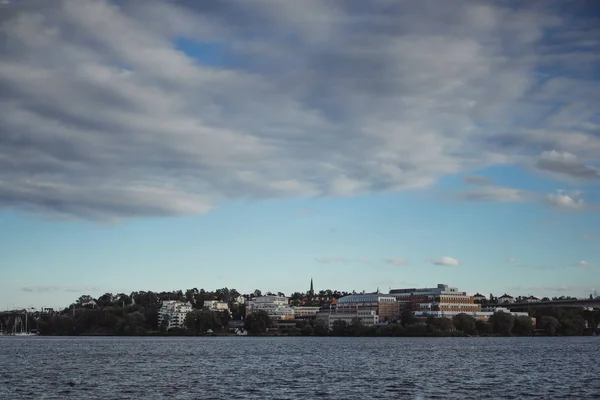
174	312
505	298
277	307
366	317
531	299
305	312
479	297
215	305
385	306
442	298
239	299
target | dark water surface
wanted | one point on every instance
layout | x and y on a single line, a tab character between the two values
299	368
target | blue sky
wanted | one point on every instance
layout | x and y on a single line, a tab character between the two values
180	144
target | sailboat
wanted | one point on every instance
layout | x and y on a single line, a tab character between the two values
22	332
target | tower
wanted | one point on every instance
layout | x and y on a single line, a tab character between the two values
311	292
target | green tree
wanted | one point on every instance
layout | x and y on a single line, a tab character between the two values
407	318
502	323
465	323
550	325
258	322
320	328
199	321
523	326
339	328
356	327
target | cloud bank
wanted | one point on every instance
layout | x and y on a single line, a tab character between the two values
447	261
123	109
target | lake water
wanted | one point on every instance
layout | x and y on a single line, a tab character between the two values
299	368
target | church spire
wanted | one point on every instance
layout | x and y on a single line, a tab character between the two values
312	289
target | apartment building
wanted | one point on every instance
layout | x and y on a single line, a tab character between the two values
383	305
442	298
277	307
174	312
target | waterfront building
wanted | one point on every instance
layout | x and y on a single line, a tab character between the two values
305	312
277	307
366	317
174	312
442	298
384	306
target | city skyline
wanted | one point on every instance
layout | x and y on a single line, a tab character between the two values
170	145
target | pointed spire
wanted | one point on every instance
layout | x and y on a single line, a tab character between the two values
312	289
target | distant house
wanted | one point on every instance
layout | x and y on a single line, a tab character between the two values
479	297
531	299
505	298
234	324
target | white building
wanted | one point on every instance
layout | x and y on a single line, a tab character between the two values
174	312
215	305
505	298
239	300
367	317
483	315
275	306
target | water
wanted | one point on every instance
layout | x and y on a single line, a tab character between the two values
299	368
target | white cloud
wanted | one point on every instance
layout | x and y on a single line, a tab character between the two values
511	260
583	264
328	260
104	115
448	261
588	236
564	200
397	261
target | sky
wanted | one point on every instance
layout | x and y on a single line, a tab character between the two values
165	145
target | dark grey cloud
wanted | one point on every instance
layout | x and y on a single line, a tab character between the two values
566	164
105	116
478	180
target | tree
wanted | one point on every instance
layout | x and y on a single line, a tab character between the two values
256	293
550	325
199	321
465	323
523	326
356	327
407	317
502	323
339	327
320	328
258	322
483	327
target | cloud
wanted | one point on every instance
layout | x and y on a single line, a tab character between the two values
477	180
570	201
397	261
572	289
497	194
112	111
328	260
583	264
588	236
448	261
511	260
566	164
56	288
